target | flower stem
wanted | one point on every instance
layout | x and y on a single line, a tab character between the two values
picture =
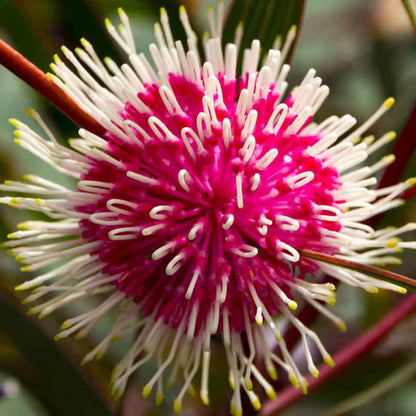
33	76
346	356
376	272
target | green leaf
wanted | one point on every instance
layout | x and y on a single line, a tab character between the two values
263	20
390	383
62	380
85	19
376	272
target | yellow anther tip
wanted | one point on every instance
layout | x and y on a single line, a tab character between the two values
373	289
146	391
401	290
191	390
159	399
43	315
205	400
272	373
411	181
389	102
369	140
293	305
293	379
329	360
342	326
30	112
14	122
256	404
177	406
304	388
293	28
314	372
249	385
389	159
271	394
114	374
65	325
392	243
40	201
391	135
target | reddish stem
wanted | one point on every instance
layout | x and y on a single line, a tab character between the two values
387	275
33	76
346	356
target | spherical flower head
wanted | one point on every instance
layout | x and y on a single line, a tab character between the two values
192	211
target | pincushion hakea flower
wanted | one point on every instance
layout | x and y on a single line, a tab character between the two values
192	210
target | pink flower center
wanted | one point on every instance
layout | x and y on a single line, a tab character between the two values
209	203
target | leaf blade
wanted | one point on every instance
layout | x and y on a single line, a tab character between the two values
263	19
63	382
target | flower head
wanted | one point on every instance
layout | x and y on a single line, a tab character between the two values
192	211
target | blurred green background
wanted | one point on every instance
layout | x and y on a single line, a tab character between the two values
364	51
